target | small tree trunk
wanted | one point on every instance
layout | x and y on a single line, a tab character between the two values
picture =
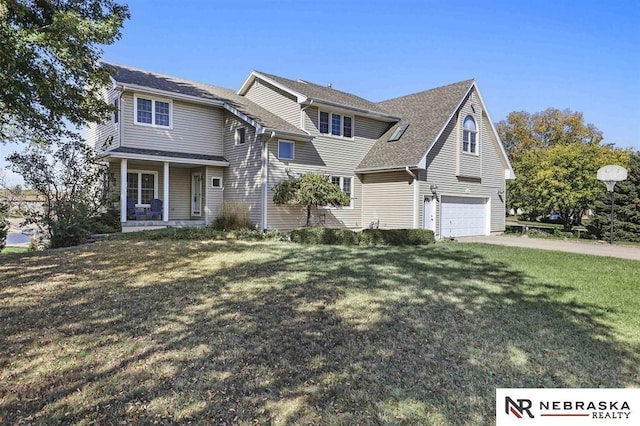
308	215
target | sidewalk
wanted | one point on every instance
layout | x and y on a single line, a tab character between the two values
594	248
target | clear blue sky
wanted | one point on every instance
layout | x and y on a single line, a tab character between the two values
525	55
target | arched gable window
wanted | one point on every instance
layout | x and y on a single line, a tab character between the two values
469	135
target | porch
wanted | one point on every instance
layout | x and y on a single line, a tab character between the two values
148	225
160	189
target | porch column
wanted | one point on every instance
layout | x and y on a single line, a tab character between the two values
165	196
123	190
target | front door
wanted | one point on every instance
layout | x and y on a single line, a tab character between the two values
429	221
196	194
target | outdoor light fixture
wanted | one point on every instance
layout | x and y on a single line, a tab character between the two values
610	175
501	192
433	188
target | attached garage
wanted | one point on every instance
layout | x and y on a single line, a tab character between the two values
463	216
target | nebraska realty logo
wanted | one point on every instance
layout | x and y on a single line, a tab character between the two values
521	406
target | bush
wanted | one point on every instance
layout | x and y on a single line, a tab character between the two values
233	216
333	236
396	237
201	234
368	237
106	222
4	228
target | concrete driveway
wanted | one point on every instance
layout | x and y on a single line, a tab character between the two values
594	248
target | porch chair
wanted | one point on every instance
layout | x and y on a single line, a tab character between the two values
155	209
133	211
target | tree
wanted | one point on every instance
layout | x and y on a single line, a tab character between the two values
70	180
49	65
627	206
309	190
555	157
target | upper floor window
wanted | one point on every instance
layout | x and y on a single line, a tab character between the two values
469	135
335	124
241	135
152	112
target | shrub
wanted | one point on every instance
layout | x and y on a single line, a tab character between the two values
233	216
106	222
396	237
333	236
201	234
4	228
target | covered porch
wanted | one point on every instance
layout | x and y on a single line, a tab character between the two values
160	189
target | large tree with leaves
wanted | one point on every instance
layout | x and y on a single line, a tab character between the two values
555	156
49	65
309	190
627	206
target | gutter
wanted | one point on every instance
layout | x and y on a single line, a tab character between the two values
386	169
265	180
416	196
302	110
272	131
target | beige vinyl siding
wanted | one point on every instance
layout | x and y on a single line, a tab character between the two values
105	135
179	193
470	165
197	129
275	100
387	200
242	180
328	156
441	171
213	196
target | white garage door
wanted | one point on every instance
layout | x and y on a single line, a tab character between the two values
463	217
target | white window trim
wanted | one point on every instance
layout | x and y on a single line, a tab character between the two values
155	184
477	133
293	150
153	111
350	206
221	182
342	115
236	136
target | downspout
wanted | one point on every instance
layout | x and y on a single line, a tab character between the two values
416	195
302	126
265	179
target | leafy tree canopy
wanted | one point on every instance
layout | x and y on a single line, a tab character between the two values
310	190
49	69
627	207
555	157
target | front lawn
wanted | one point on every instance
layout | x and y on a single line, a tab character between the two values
224	332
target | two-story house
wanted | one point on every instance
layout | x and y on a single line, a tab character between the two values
431	159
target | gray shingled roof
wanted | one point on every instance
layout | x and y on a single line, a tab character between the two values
330	95
128	75
426	113
159	153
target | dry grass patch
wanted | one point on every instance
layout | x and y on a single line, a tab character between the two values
214	332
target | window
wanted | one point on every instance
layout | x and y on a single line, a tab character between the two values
469	135
343	182
324	122
142	187
335	124
152	112
116	114
397	134
285	150
216	182
240	136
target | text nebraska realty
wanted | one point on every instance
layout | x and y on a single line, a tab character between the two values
598	409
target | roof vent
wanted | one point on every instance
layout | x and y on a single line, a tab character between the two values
329	86
397	134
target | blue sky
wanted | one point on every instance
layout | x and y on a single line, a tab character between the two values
525	56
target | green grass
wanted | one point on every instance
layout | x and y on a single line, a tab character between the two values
8	250
211	332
